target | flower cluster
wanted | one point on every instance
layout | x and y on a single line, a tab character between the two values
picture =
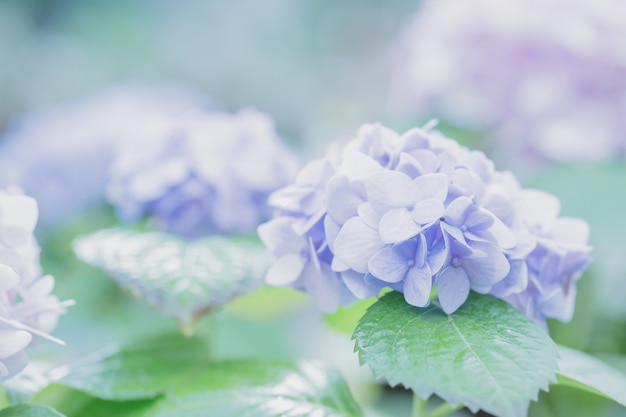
202	173
415	211
27	307
548	75
60	155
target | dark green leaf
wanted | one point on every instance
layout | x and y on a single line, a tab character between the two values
29	410
581	371
486	355
183	278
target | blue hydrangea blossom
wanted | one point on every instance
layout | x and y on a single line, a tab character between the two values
60	155
543	76
200	173
27	306
416	211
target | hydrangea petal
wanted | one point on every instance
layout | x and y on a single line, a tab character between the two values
407	249
454	232
12	341
356	242
503	236
397	225
20	211
13	364
285	270
387	190
570	231
342	198
453	287
456	211
427	211
323	286
368	215
417	286
357	166
8	277
429	186
539	208
279	237
356	283
387	265
485	270
516	280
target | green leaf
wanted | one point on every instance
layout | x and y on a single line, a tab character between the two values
261	389
244	388
143	370
103	408
173	376
486	355
29	410
181	380
4	398
581	371
183	278
345	319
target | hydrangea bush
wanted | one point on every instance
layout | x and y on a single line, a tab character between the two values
60	155
417	212
27	306
546	77
201	173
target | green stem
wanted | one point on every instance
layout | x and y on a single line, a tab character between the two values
419	406
444	409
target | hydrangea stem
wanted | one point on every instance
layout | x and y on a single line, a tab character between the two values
419	406
420	409
444	409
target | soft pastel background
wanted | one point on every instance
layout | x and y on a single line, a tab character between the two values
321	68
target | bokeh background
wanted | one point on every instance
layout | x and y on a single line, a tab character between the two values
321	68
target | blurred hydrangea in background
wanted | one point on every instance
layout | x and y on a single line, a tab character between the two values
546	79
60	155
201	173
27	306
417	210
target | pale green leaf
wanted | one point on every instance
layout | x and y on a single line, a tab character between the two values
142	370
261	389
247	388
173	376
486	355
581	371
183	278
29	410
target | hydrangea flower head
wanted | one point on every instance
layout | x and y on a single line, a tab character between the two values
27	306
60	155
417	211
547	75
201	173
